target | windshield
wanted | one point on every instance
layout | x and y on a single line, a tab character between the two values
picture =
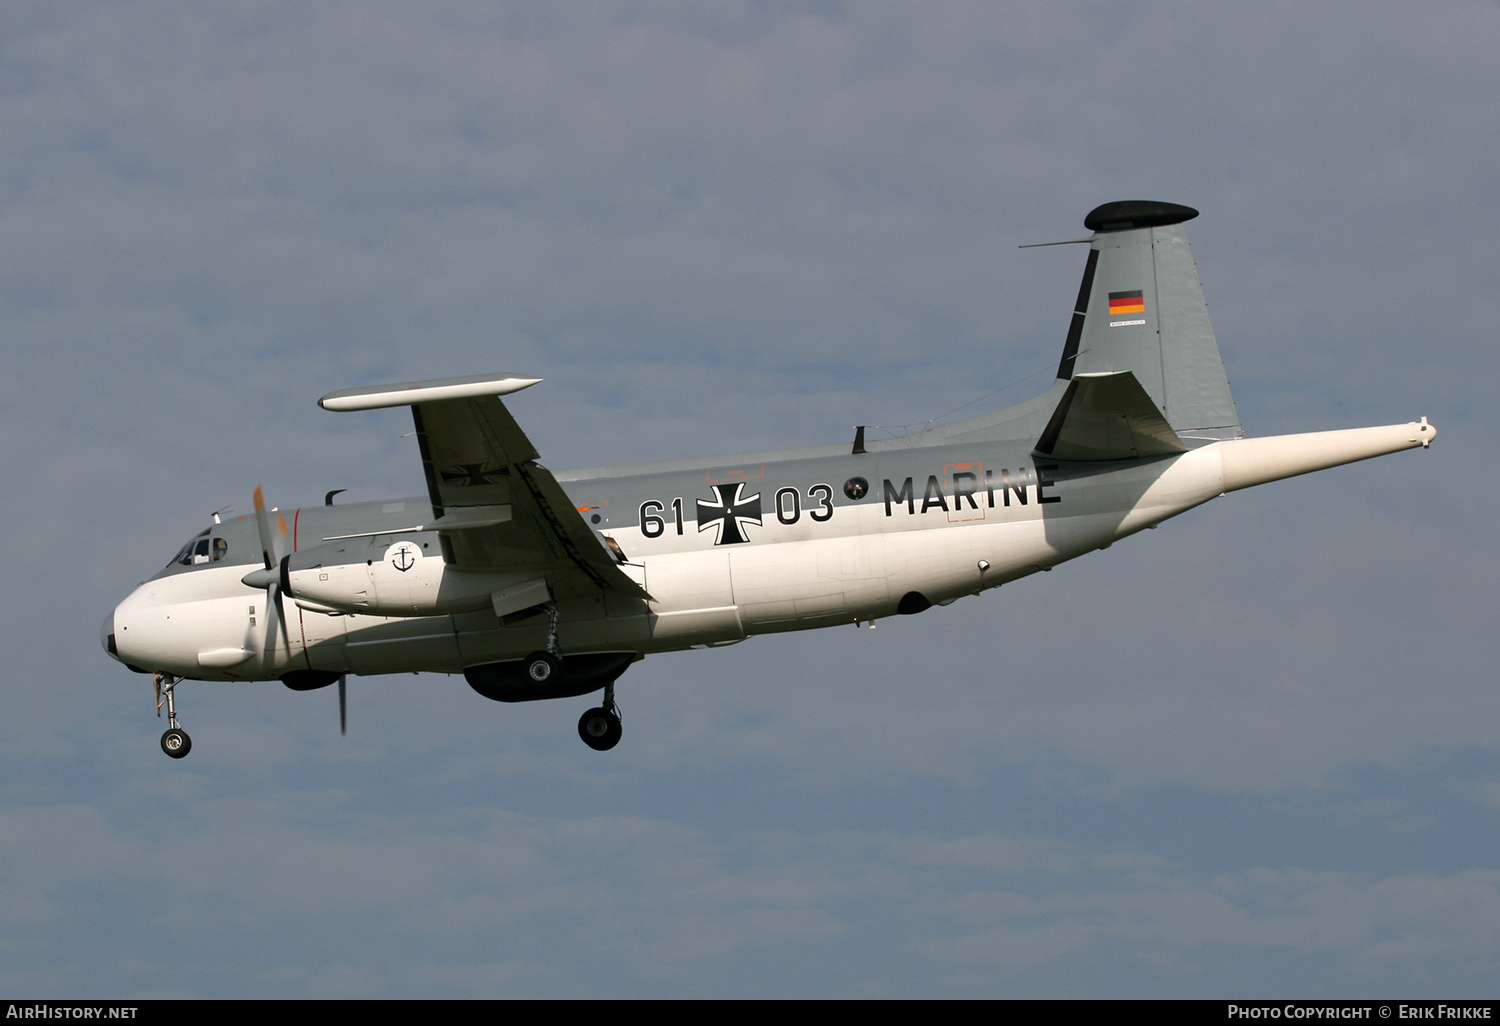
201	549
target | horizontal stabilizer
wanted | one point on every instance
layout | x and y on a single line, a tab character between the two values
412	392
1107	416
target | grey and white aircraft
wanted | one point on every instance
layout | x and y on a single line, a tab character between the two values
535	584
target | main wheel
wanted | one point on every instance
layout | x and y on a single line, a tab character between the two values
543	668
176	743
600	729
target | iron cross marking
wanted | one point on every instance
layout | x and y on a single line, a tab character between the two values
730	514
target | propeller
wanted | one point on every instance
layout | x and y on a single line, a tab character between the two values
272	578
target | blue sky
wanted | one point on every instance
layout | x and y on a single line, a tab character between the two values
1250	753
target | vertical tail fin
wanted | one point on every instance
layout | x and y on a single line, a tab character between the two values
1140	309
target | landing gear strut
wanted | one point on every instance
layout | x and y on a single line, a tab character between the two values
545	667
175	742
600	727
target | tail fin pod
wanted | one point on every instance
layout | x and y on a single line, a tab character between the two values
1140	309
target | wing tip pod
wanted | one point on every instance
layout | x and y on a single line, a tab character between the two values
410	393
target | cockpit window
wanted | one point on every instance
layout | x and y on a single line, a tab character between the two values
202	549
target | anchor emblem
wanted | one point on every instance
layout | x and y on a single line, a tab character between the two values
403	556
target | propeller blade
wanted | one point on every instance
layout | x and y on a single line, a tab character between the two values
267	540
274	611
274	593
343	708
269	578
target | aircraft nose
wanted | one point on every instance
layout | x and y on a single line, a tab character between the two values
107	636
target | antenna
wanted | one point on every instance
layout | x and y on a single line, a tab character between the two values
1059	242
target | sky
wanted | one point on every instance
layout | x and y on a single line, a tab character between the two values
1252	753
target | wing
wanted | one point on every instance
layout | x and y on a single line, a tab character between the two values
495	507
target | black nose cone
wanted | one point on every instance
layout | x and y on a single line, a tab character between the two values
107	636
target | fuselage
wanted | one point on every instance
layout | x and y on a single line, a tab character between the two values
728	548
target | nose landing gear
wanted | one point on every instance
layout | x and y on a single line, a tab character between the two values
175	742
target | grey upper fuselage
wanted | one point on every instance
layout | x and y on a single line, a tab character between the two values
1001	442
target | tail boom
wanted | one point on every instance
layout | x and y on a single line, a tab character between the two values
1252	461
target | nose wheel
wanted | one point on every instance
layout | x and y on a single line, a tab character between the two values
175	742
600	727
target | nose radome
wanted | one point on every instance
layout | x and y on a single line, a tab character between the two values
107	636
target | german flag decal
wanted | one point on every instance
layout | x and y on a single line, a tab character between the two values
1126	302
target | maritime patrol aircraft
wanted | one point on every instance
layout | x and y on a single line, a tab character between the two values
535	584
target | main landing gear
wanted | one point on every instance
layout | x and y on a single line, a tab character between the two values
175	742
600	727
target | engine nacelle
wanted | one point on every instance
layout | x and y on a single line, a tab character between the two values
580	674
384	577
